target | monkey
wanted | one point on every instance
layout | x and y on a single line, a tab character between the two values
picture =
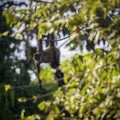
50	55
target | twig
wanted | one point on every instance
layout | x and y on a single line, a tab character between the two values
41	96
43	1
24	86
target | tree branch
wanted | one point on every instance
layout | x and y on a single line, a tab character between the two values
43	1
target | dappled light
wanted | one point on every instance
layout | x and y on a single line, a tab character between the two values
60	59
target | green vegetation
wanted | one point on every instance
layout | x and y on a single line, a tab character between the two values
92	89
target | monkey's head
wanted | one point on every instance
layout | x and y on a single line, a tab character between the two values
36	57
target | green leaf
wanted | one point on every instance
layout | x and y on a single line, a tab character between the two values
42	105
56	109
4	33
22	116
51	116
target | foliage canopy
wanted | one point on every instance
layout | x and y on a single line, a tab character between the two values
92	89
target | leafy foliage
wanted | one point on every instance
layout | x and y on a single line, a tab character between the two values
92	89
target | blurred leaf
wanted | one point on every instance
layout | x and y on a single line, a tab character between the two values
56	109
42	105
22	114
5	33
34	98
22	99
7	87
51	116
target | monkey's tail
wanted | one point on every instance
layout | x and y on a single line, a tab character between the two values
59	75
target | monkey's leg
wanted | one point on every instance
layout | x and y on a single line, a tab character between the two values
59	75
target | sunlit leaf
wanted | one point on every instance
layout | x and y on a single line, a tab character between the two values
22	99
7	87
22	114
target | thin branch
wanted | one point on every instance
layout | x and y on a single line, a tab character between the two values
43	1
62	44
59	39
31	86
25	86
41	96
37	97
62	38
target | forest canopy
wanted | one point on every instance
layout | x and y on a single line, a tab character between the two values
92	80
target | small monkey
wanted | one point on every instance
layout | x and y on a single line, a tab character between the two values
50	55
